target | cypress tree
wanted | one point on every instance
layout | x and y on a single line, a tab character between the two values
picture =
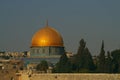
101	62
83	58
78	58
88	62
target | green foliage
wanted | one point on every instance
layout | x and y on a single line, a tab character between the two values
116	60
88	61
101	62
64	65
6	57
84	71
42	66
82	62
83	59
81	47
108	63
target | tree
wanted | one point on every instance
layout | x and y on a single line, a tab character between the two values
81	47
42	66
108	63
101	62
88	60
78	58
116	60
64	65
83	61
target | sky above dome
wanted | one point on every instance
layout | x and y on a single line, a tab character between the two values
92	20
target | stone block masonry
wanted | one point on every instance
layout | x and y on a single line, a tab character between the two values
71	76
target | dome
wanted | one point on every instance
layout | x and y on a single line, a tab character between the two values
47	36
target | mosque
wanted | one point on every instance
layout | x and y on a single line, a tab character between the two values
47	44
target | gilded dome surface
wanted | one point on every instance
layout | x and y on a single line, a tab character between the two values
47	36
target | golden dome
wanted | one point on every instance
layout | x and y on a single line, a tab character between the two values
47	36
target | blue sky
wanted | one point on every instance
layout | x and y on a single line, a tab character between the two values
93	20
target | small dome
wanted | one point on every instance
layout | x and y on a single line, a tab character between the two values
47	36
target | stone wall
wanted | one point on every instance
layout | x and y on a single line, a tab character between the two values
71	76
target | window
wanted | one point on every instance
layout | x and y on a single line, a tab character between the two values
43	50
